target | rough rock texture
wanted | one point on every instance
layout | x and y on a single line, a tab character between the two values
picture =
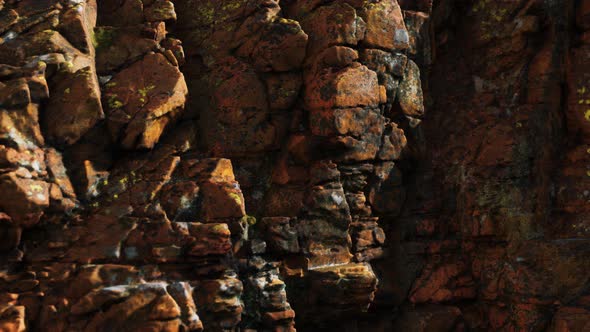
266	165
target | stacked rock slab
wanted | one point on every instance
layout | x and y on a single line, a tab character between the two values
120	210
273	167
309	99
98	240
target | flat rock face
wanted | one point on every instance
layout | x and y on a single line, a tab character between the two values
265	165
335	24
385	26
351	87
143	99
74	108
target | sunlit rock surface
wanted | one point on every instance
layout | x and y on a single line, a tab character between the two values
265	165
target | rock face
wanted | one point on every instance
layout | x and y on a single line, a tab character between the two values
265	165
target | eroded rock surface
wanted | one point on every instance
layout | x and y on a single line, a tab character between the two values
265	165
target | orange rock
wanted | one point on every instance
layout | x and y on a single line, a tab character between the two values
334	24
12	318
352	86
335	56
121	45
74	107
283	90
281	47
385	26
138	112
24	199
222	200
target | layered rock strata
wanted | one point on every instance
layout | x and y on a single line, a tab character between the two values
262	165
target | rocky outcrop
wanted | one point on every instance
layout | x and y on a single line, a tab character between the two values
265	165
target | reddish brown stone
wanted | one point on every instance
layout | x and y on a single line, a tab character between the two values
12	318
570	319
385	25
582	14
409	93
74	107
281	47
24	198
352	86
118	45
138	113
335	24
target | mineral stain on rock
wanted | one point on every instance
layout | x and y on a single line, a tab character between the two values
320	165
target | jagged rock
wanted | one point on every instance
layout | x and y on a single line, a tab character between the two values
20	128
25	199
335	24
353	86
74	107
210	239
218	301
15	93
487	230
420	43
409	92
355	122
160	10
139	112
182	294
385	25
394	143
386	193
280	235
76	24
100	239
116	13
7	19
281	47
335	56
345	289
238	103
441	283
160	311
283	90
116	46
39	44
266	298
12	318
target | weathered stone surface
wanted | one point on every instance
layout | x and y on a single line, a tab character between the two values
345	289
74	107
12	318
386	193
280	235
473	215
281	47
420	37
24	198
428	318
283	90
139	112
385	25
116	46
335	24
409	92
352	86
571	319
